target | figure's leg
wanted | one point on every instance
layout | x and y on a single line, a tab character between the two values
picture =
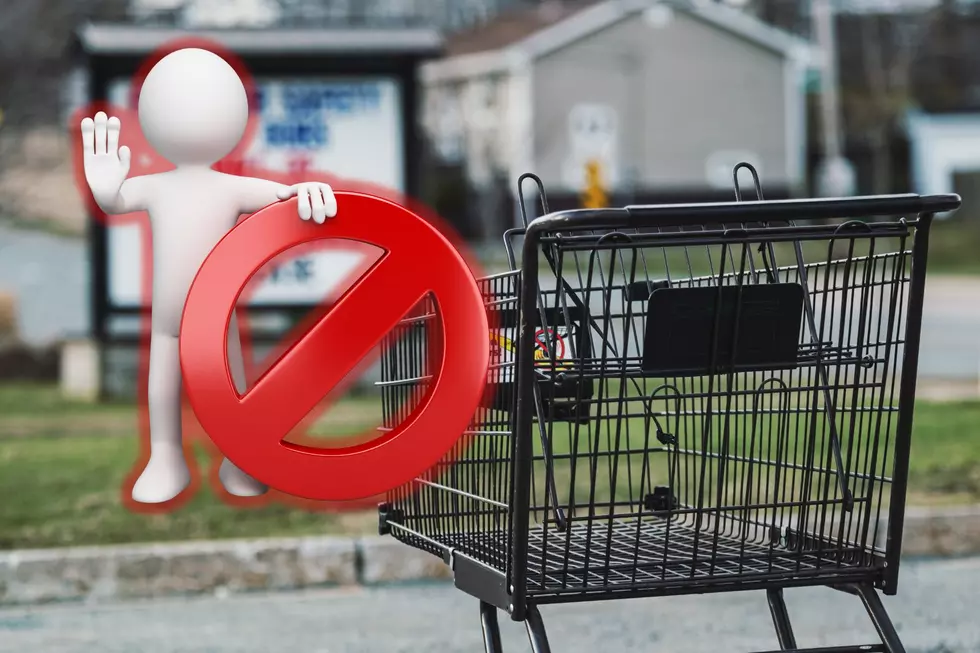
234	480
166	473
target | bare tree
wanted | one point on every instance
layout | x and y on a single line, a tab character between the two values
790	15
888	48
36	51
944	76
878	56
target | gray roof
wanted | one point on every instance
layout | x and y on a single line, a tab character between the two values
493	49
121	39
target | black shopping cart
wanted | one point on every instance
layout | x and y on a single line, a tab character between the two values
685	399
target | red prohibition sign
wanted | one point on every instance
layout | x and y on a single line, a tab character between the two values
249	429
559	343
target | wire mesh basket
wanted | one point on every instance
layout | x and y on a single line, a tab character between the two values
682	399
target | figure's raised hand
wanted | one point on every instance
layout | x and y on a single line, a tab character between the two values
106	164
315	200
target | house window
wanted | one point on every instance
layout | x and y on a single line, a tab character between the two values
448	127
451	148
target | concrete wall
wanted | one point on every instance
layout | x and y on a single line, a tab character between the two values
468	120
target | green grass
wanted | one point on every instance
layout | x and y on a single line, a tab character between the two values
66	489
34	400
944	465
603	463
954	247
63	466
945	462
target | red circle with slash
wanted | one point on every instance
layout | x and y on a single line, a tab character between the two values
249	429
559	343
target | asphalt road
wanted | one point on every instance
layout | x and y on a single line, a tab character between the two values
53	302
951	329
935	612
49	276
950	347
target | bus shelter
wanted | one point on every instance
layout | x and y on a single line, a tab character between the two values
343	101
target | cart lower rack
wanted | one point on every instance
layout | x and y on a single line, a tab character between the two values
682	399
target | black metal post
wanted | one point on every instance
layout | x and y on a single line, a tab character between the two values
97	236
886	630
412	153
906	402
523	446
535	631
780	619
491	629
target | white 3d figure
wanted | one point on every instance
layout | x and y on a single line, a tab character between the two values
193	110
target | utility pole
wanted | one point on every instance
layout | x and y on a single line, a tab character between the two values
835	175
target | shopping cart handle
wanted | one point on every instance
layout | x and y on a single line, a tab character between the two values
660	215
848	207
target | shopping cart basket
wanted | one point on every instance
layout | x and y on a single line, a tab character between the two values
685	399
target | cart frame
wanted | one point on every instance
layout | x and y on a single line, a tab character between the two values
507	589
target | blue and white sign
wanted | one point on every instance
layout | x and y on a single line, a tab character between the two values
350	127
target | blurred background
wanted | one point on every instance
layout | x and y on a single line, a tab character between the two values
449	101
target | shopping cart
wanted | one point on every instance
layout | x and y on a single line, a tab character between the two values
685	399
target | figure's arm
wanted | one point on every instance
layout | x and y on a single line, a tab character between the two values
315	200
254	194
131	196
106	166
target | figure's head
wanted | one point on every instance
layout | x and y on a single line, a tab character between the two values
193	108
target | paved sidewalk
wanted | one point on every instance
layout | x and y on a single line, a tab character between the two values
935	612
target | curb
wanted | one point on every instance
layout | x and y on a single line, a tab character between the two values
38	576
221	567
940	532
